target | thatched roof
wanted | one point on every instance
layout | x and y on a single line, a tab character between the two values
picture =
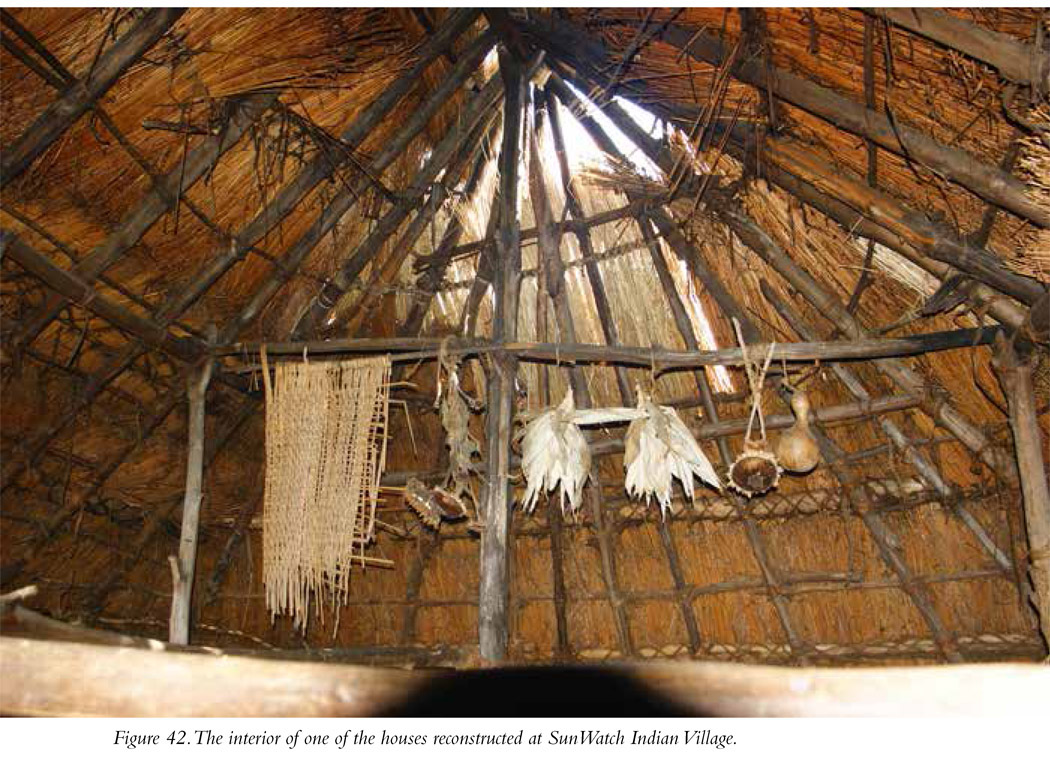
170	195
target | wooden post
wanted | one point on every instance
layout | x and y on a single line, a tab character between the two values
493	624
1015	375
184	567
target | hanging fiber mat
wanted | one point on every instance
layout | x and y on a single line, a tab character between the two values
325	450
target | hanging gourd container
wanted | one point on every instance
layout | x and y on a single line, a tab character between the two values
797	450
755	471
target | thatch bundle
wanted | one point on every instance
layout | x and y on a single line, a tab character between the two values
1032	254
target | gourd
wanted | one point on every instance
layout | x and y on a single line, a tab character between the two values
797	450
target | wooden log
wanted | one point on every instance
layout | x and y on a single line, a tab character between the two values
184	567
71	105
1013	59
62	679
73	288
981	297
1015	375
493	621
884	210
987	181
583	238
160	200
436	265
412	349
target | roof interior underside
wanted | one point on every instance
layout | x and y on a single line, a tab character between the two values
93	516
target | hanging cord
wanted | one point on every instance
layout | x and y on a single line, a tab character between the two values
756	377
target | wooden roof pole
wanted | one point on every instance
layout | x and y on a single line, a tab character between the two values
73	288
594	273
989	182
493	620
980	296
316	317
902	444
265	220
1015	60
728	304
158	201
437	263
554	269
886	211
184	566
1015	375
64	112
343	201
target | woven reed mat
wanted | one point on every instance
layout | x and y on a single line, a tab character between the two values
325	450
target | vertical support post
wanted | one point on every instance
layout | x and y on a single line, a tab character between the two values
493	624
183	567
1015	375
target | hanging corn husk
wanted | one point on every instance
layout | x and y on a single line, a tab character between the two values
555	454
659	446
756	470
797	449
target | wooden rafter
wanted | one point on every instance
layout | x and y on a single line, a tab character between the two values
987	181
1015	60
316	316
76	100
160	200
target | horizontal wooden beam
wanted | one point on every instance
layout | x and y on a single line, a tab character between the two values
56	679
660	359
71	287
71	105
1013	59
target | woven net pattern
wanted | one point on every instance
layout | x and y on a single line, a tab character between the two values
325	450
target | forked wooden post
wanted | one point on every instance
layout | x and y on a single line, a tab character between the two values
493	624
1015	375
183	568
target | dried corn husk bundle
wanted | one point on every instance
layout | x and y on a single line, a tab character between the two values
555	454
659	447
